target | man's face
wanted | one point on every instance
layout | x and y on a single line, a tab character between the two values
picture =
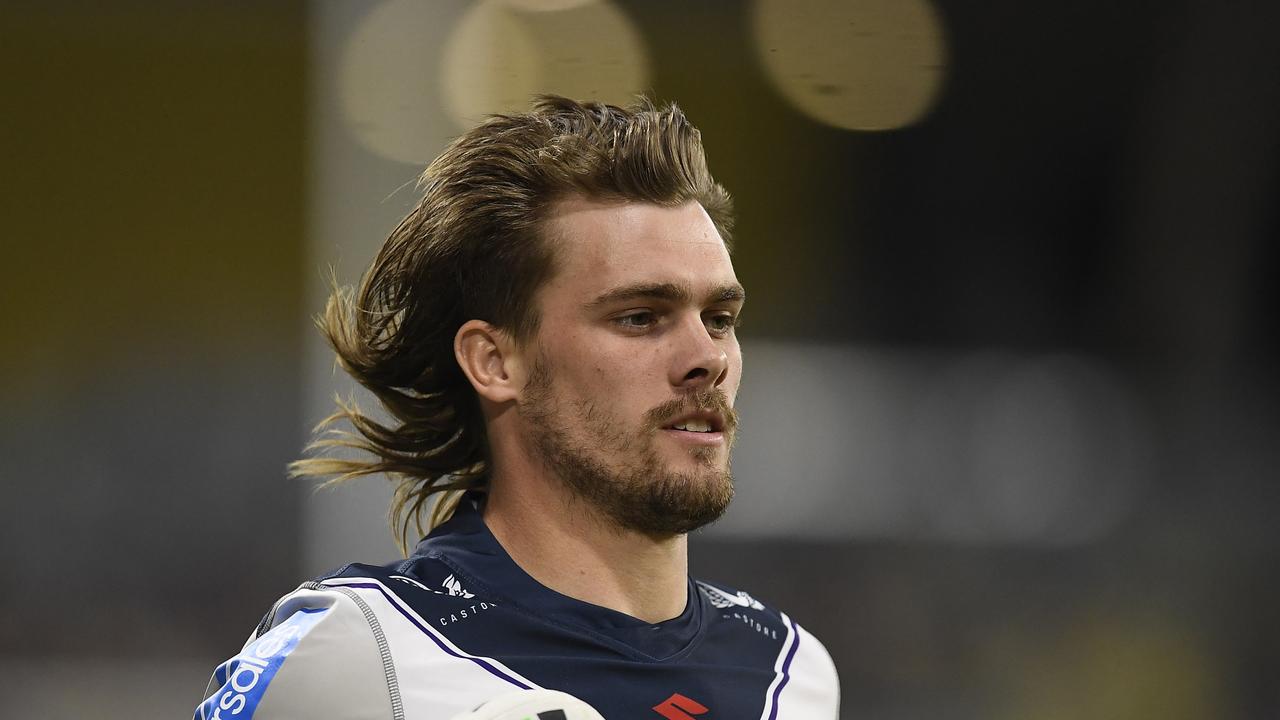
637	364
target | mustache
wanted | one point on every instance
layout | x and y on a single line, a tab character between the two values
712	400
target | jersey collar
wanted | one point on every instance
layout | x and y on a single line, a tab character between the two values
466	545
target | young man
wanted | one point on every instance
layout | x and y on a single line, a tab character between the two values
552	330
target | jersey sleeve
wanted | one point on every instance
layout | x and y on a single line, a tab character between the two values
813	690
319	653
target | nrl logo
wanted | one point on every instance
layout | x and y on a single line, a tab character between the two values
721	599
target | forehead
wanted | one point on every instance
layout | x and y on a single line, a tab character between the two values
602	245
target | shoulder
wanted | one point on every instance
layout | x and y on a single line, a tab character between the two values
365	641
805	674
314	654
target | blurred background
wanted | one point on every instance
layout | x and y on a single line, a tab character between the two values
1011	414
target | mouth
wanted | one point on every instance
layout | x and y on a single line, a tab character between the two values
699	428
699	422
702	421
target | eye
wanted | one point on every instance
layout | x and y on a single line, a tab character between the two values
638	320
722	323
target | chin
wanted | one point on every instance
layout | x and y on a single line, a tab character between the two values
702	460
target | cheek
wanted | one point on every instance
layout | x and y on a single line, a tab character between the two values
598	366
627	383
591	368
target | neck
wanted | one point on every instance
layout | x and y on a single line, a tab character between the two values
565	545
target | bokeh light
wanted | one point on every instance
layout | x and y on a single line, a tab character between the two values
545	5
853	64
387	87
499	56
407	61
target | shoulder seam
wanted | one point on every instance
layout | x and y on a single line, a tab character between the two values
269	619
384	649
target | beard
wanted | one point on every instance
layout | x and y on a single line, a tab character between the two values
636	491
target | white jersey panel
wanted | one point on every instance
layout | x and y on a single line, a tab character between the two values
319	658
446	680
811	690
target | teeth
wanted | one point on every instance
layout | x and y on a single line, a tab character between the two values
695	426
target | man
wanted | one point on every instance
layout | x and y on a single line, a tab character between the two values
552	330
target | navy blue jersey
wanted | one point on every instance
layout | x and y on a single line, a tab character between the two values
458	623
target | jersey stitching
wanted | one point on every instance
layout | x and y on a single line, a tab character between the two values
270	618
442	641
384	649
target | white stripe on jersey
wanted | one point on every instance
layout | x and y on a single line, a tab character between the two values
812	691
778	673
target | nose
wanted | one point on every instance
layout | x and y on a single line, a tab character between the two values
700	361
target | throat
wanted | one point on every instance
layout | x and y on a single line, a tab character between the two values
576	554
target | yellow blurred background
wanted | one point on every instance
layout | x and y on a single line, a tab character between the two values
1011	411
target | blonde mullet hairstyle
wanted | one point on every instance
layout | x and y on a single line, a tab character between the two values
471	248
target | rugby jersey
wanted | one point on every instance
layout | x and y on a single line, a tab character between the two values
458	623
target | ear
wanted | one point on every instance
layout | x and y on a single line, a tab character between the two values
489	359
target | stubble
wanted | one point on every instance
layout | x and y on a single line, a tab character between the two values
618	471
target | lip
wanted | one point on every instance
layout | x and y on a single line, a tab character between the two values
713	438
701	439
714	419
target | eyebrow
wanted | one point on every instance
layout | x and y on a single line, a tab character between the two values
671	292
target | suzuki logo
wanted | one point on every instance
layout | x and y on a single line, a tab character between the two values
679	707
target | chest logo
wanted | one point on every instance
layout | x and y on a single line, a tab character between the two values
679	707
722	599
454	586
